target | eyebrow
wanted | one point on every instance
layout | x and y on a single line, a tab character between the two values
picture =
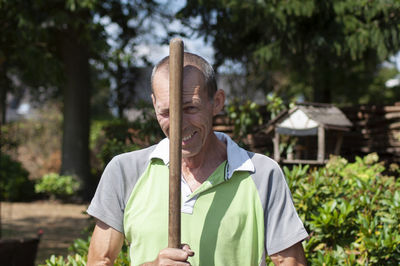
162	110
191	101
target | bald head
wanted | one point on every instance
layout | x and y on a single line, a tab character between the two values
193	60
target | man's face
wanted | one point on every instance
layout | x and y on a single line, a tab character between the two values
198	109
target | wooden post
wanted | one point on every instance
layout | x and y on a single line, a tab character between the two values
321	144
175	138
277	155
339	142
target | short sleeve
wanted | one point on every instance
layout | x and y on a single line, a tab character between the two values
283	225
107	204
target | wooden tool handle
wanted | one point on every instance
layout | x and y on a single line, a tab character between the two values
175	138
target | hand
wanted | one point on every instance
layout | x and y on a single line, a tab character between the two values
173	257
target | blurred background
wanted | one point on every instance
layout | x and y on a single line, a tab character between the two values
75	91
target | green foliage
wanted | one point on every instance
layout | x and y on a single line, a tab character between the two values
333	47
79	250
14	182
376	93
8	140
245	116
108	139
113	147
148	129
113	137
76	260
352	211
57	186
275	104
36	141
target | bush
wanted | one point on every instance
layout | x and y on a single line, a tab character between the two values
110	138
80	249
57	186
245	117
351	210
14	182
35	142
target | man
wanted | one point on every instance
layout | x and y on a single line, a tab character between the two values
236	205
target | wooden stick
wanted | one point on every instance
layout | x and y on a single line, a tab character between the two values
175	138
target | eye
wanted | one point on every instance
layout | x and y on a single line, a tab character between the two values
190	109
164	114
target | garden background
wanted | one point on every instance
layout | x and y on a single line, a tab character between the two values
74	92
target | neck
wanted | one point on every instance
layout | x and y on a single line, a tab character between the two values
213	150
201	166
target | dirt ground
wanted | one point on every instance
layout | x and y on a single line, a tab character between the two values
61	224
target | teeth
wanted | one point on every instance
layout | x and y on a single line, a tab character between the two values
188	137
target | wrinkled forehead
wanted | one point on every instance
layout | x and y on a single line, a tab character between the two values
192	76
188	68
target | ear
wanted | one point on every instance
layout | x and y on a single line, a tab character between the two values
219	101
153	98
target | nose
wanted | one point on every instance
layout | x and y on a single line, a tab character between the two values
185	122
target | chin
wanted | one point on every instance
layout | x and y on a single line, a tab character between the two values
188	154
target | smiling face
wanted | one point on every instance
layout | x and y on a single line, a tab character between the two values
198	109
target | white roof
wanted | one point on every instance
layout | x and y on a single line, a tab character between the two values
298	120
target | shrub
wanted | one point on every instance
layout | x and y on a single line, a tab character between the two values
14	182
76	260
245	117
351	210
35	142
80	249
110	138
57	186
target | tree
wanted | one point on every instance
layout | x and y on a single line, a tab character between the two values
73	35
333	46
22	54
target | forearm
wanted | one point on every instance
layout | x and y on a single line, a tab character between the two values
99	262
293	256
105	245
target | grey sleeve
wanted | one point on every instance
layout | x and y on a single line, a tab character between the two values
108	202
283	227
116	184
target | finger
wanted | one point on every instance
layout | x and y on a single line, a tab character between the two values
173	262
175	254
186	248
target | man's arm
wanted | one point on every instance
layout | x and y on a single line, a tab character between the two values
290	256
105	245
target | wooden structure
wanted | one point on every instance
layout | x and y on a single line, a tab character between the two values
375	129
309	119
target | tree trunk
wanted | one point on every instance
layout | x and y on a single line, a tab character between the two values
3	94
76	123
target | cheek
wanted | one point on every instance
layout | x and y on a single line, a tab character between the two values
198	120
164	124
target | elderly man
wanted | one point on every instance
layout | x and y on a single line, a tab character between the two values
236	205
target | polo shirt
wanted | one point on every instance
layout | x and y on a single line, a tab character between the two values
241	211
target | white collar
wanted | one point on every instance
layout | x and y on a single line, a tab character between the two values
238	158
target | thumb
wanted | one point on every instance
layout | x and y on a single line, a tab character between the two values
186	248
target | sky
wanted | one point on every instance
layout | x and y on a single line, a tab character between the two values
156	52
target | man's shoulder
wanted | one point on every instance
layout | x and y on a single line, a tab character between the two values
263	162
129	165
